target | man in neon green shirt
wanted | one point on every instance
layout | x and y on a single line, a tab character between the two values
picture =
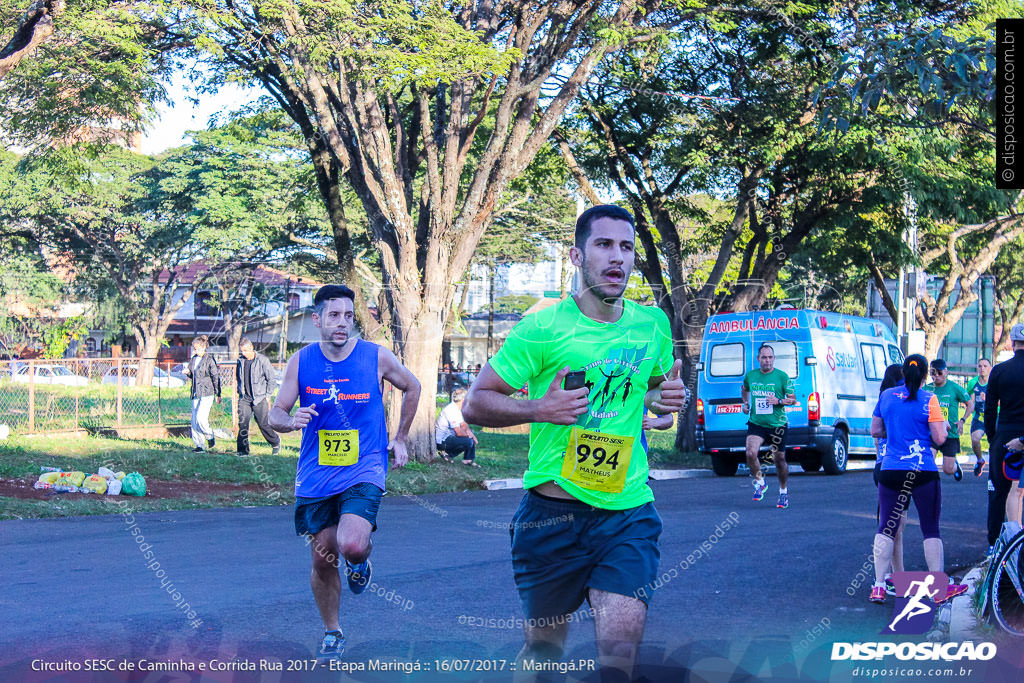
587	464
950	395
976	389
771	389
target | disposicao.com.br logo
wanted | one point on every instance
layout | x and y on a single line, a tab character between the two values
918	595
922	652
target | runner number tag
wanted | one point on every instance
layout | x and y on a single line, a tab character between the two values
597	461
762	406
338	446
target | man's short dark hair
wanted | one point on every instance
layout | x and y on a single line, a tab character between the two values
764	346
587	218
328	292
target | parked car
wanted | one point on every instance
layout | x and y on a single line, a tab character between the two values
50	374
179	371
129	373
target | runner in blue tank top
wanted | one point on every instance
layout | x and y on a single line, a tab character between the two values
343	459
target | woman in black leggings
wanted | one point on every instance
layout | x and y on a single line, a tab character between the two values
910	420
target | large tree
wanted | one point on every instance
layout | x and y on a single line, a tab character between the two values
393	97
82	70
1008	273
717	152
243	190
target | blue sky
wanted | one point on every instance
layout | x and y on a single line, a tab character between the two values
170	129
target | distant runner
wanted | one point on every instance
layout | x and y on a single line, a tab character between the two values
772	390
343	458
976	388
950	395
586	459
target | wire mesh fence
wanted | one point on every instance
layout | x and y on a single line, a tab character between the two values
44	396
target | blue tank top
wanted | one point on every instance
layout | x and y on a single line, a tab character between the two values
346	395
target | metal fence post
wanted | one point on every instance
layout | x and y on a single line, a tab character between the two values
234	406
31	396
159	399
120	394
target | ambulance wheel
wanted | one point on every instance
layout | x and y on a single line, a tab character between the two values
810	463
724	465
834	461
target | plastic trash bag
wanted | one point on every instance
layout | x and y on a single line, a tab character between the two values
133	484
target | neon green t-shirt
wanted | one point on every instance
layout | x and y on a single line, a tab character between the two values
761	385
619	359
950	396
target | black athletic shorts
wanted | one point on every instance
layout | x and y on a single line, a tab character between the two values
313	515
562	548
950	447
773	436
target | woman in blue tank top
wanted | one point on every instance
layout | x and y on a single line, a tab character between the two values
910	420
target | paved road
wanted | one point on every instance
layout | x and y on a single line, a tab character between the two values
748	602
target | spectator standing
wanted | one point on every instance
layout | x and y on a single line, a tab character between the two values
1004	423
893	377
256	382
451	432
202	369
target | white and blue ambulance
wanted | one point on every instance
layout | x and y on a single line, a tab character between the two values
836	362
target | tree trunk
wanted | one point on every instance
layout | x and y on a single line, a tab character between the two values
490	312
689	352
35	28
149	347
420	353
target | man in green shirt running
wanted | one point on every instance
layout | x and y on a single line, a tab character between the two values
976	389
772	390
950	395
587	528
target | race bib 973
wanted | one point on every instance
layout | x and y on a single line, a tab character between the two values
597	461
338	447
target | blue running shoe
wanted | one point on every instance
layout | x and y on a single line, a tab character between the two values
358	575
783	501
890	587
332	647
759	489
979	467
958	474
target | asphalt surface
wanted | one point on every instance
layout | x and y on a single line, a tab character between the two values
763	599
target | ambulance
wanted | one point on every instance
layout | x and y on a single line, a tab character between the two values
836	362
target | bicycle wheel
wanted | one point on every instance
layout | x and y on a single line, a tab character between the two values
1006	596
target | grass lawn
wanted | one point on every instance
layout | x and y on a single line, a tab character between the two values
179	479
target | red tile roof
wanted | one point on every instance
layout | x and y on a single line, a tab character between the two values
266	275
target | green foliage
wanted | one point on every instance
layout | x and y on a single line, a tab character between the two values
58	337
393	43
97	79
938	70
514	303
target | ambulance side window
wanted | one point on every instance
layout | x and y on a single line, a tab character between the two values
785	357
874	361
726	360
895	355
